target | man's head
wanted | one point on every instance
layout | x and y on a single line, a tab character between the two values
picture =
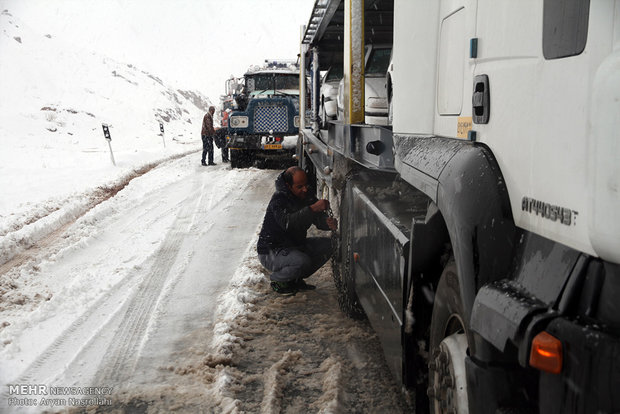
211	109
297	182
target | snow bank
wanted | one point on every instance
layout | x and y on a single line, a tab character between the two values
236	302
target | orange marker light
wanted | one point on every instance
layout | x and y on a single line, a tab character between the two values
546	353
356	257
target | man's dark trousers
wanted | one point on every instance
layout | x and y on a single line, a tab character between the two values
289	264
207	147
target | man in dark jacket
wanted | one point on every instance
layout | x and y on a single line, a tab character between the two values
282	245
207	136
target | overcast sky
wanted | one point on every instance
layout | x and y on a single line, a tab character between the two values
193	44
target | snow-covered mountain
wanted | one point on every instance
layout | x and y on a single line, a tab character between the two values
54	98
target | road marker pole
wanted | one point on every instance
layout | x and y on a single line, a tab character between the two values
108	137
161	129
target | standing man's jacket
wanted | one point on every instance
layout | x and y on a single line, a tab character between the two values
287	219
207	125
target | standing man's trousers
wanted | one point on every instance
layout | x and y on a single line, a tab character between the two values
207	147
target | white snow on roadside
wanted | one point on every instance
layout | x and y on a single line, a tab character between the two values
55	167
236	302
53	148
75	283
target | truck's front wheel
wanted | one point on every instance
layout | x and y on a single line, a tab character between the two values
234	158
448	348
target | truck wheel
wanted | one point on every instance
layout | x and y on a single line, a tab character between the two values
234	158
248	158
343	272
261	163
448	348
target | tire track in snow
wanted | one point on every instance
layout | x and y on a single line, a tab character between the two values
123	355
63	355
275	382
23	242
61	352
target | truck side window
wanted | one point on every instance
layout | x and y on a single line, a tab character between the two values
565	27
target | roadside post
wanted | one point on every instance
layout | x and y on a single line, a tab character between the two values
108	137
161	129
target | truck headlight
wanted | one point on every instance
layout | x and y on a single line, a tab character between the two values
239	121
296	121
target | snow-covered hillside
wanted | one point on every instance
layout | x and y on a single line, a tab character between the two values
55	98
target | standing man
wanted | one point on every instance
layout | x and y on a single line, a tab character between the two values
282	244
207	136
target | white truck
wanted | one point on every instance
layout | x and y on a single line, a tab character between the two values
480	231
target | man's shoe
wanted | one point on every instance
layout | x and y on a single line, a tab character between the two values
284	288
212	163
204	163
301	284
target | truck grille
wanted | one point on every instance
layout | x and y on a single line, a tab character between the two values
270	117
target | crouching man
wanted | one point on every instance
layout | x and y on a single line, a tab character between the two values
283	247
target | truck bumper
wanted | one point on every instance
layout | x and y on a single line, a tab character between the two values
589	381
586	320
254	145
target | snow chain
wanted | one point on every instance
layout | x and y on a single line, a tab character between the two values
334	236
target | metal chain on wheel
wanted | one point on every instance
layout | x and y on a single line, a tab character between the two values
330	213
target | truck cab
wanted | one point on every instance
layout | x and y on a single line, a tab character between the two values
267	122
479	231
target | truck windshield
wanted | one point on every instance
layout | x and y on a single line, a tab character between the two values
265	82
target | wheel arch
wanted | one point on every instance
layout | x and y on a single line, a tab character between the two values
473	200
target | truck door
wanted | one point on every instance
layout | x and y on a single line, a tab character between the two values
540	58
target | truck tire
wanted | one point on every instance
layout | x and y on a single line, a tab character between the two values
448	348
343	271
261	163
234	158
248	158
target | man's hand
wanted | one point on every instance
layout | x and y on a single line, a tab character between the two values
319	206
332	223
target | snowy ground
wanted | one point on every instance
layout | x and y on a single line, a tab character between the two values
156	293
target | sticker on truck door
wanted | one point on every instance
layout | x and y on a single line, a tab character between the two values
463	126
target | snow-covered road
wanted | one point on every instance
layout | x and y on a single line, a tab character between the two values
128	278
154	296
